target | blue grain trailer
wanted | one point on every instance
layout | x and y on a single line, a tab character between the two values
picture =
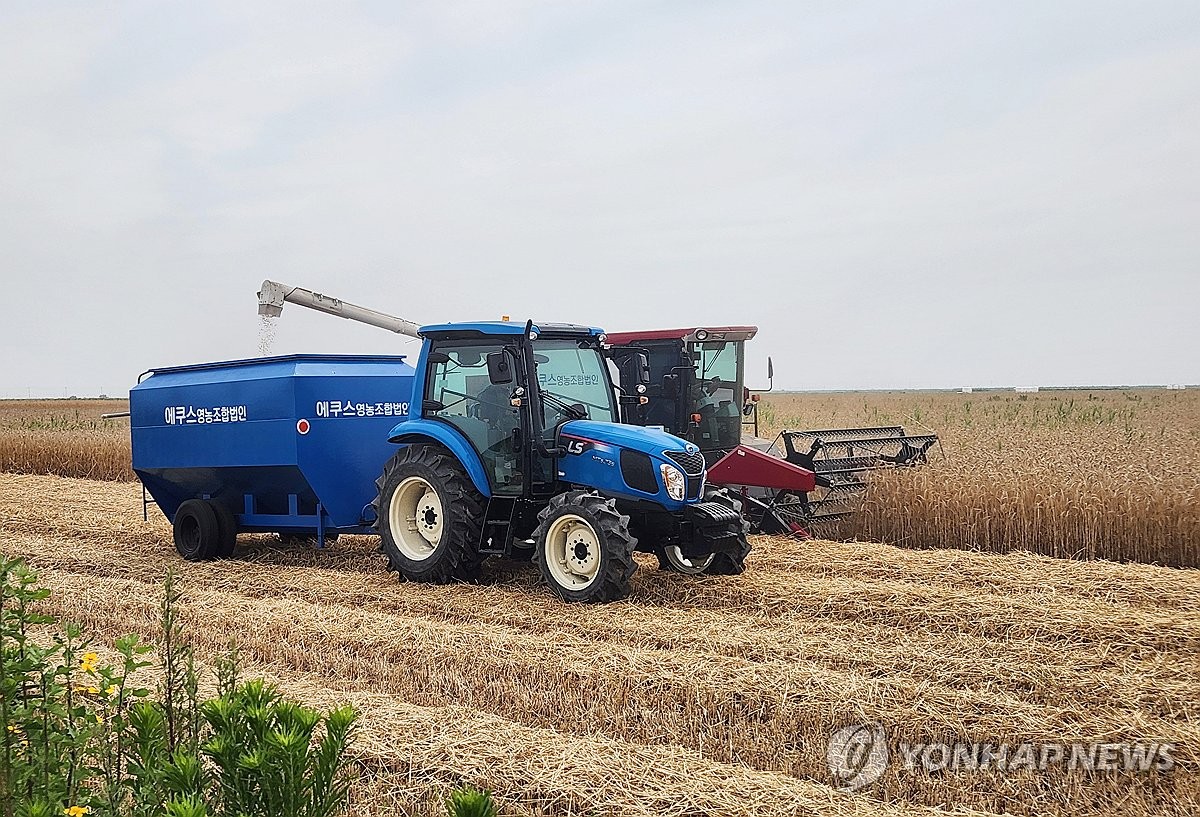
288	444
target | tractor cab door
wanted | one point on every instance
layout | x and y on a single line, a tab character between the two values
459	391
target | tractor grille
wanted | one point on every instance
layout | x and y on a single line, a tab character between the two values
692	464
693	469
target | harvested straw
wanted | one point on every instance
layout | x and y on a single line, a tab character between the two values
647	702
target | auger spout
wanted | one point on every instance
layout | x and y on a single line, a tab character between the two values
273	295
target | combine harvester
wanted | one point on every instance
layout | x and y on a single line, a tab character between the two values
696	390
503	440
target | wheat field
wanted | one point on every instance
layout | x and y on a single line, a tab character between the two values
1109	474
65	437
710	696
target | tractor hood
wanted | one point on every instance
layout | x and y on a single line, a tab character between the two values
647	440
631	462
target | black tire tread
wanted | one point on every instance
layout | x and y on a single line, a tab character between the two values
227	523
210	532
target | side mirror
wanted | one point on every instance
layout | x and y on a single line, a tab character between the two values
643	372
499	367
437	357
670	385
770	369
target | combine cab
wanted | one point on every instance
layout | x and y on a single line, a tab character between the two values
795	483
696	389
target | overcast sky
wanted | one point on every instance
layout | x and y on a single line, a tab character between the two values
900	194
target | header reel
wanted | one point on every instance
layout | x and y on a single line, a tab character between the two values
841	460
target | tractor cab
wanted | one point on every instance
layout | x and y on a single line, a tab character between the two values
477	378
696	387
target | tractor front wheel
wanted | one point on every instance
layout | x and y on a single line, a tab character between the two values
584	547
670	557
429	517
733	562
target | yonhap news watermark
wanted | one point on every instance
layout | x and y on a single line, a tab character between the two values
859	754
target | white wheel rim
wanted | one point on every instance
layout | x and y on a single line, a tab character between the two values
415	518
572	552
685	565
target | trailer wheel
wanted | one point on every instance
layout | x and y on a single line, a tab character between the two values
584	547
729	564
197	531
429	517
227	525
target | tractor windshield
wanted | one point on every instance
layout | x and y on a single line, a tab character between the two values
574	372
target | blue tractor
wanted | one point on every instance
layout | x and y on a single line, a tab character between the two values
512	446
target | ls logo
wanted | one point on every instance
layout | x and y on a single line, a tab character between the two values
577	446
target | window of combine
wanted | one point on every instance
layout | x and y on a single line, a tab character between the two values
716	393
573	372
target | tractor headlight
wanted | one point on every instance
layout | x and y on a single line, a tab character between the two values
673	481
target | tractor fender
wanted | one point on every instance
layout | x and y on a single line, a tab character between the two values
425	431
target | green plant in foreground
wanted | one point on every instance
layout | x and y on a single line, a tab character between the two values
266	759
469	801
45	723
79	738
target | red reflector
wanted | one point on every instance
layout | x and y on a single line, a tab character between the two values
302	426
695	418
754	397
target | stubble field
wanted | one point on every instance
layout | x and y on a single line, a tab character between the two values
712	696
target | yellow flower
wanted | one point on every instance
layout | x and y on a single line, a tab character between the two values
112	690
12	728
91	658
77	811
99	718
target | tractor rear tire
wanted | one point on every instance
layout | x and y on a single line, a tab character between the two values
429	517
731	563
197	531
227	524
584	547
